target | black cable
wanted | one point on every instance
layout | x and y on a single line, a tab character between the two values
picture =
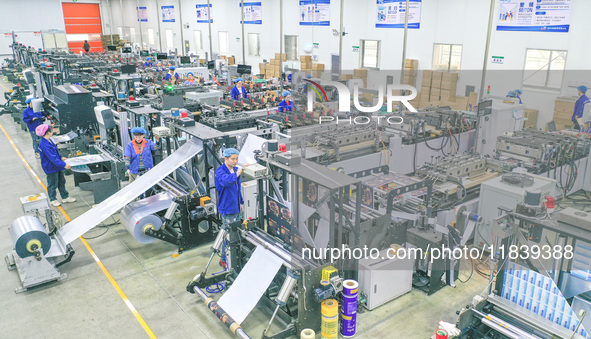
100	235
471	272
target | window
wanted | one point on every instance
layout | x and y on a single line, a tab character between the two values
370	53
120	31
544	68
447	58
150	36
291	47
224	42
253	44
132	34
197	37
169	40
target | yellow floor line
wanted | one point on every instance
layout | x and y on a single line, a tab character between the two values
90	250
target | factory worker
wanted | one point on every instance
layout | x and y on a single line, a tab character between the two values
53	165
159	67
227	184
148	63
238	91
138	154
580	105
172	76
86	46
286	105
190	79
33	119
518	94
511	94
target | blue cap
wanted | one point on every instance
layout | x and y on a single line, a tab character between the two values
308	76
148	59
230	151
511	94
190	73
582	89
285	93
238	80
28	101
172	68
518	91
138	130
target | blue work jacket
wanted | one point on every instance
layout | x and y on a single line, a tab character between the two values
51	160
146	154
235	93
28	116
229	193
284	106
579	107
168	76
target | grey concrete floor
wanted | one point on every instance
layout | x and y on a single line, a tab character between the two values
87	304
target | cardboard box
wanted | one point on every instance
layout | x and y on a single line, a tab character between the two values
306	65
410	80
448	84
262	66
317	74
279	56
426	90
359	73
306	58
318	67
530	118
434	97
436	83
346	76
231	60
472	102
449	76
461	102
448	95
437	76
411	64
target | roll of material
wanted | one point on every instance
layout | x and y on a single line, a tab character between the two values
138	216
324	282
350	287
348	325
28	235
441	334
349	305
329	325
307	334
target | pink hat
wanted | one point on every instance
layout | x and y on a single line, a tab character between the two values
41	129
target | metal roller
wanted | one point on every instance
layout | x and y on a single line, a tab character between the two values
29	235
139	216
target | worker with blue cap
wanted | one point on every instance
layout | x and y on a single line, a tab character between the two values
518	94
190	79
227	185
172	74
32	119
148	63
286	105
580	105
239	91
138	154
53	165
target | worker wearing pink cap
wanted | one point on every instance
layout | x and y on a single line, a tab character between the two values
53	165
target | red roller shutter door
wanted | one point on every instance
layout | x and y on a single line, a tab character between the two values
82	20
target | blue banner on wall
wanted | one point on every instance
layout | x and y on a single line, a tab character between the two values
392	13
253	13
142	14
535	15
167	13
315	13
203	14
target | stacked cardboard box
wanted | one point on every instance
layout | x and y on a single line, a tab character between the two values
278	56
231	59
346	76
263	68
531	118
449	83
410	71
305	62
563	112
361	73
106	38
317	70
425	88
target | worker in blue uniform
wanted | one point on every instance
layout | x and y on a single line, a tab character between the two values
190	79
238	91
286	105
138	154
172	76
33	119
580	105
518	94
53	165
227	185
148	63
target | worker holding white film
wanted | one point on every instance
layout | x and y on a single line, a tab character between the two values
138	154
227	184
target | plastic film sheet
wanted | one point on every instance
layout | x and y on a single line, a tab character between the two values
140	214
252	282
110	206
64	138
87	160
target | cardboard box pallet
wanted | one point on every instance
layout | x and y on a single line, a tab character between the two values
531	118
